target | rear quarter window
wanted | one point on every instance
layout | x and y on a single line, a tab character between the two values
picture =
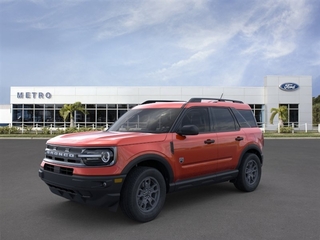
245	118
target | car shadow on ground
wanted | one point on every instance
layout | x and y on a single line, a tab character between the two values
67	211
199	195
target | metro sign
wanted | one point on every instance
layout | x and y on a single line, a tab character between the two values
289	86
34	95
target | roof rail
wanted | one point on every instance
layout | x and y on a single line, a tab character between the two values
155	101
214	99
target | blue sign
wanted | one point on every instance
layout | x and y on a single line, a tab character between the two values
289	86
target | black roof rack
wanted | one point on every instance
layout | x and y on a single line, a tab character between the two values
155	101
214	99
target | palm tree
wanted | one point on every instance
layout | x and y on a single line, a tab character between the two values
282	112
69	109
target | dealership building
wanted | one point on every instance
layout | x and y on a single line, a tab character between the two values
39	106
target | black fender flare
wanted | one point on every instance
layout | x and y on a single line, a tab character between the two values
249	148
150	157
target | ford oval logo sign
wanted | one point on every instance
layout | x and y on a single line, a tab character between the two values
289	86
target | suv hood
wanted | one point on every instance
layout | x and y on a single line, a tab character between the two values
102	138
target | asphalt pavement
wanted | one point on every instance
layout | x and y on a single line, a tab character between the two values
286	205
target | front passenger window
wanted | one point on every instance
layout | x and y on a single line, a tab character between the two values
198	117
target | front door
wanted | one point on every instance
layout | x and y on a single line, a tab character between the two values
194	155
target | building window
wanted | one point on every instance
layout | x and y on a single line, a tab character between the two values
17	110
101	117
89	119
259	113
58	120
293	115
122	109
38	117
48	115
132	105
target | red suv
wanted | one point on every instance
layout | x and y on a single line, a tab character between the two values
156	148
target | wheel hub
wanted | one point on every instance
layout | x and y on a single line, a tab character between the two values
251	172
148	194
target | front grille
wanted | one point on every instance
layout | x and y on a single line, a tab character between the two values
49	167
57	169
64	154
66	171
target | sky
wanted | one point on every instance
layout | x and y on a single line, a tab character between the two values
156	42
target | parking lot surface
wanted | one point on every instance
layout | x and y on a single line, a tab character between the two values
286	204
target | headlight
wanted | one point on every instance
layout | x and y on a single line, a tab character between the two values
98	157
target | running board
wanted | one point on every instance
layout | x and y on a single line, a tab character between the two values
194	182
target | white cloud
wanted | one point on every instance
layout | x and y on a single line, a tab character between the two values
140	14
316	60
276	26
195	58
152	41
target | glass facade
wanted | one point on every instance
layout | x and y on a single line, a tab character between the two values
259	113
41	115
293	115
99	115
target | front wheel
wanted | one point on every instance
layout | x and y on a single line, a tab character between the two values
249	173
143	194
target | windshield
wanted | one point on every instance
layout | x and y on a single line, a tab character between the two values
158	120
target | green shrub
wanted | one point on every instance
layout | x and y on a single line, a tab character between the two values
286	129
71	130
45	130
83	129
13	130
4	130
9	130
27	129
59	131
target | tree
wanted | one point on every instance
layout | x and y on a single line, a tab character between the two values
69	109
315	100
316	110
282	112
316	113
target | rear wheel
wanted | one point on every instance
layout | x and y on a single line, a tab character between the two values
143	194
249	173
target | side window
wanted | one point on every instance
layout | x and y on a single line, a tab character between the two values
248	116
241	120
198	117
223	120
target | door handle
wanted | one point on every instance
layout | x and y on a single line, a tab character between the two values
209	141
239	138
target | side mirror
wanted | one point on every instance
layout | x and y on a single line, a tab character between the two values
188	130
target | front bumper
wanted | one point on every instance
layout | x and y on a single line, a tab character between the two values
96	191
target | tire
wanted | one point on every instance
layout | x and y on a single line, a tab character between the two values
143	194
249	173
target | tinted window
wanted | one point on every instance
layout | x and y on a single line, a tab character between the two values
146	120
223	120
241	120
248	116
198	117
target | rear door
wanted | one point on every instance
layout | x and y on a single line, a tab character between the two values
229	140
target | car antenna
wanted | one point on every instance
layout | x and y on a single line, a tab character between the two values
221	96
